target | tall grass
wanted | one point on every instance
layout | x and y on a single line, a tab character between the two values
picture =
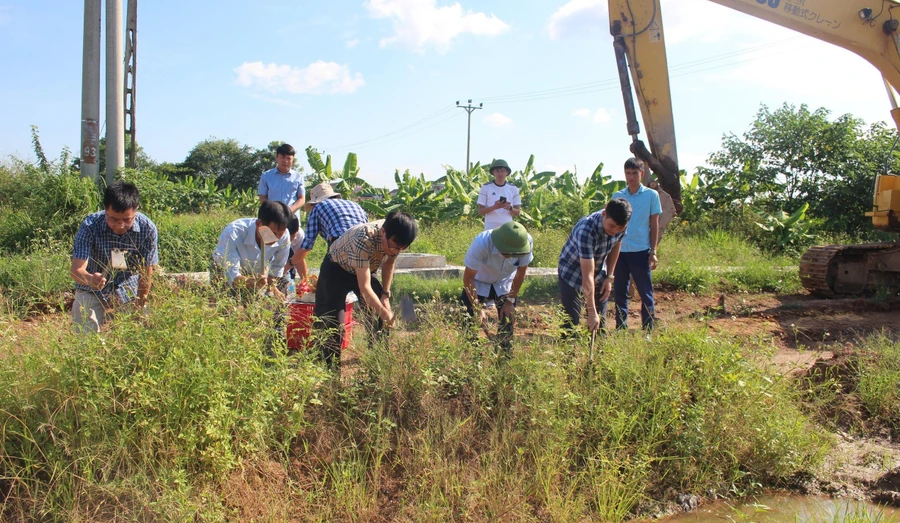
879	374
171	413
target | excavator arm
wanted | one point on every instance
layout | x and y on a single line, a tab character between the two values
866	27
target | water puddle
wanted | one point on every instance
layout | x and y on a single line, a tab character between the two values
783	508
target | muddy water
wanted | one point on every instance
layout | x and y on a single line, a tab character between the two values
784	509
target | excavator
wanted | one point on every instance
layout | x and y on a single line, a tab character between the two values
866	27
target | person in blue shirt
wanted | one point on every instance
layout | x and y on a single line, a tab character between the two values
113	259
496	263
583	279
328	216
637	256
282	183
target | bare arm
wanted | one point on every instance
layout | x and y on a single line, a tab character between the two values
587	284
516	210
483	209
469	284
296	206
299	261
263	198
387	275
654	240
79	273
363	278
517	281
611	260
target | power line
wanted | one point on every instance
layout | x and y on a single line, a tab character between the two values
452	116
414	124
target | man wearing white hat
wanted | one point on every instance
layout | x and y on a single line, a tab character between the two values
328	216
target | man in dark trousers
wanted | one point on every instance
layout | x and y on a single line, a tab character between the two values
350	266
595	239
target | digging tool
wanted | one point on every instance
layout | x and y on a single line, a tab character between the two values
593	338
408	310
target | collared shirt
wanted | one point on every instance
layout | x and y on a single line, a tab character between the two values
330	219
489	195
493	268
95	242
287	187
589	241
359	247
237	252
644	204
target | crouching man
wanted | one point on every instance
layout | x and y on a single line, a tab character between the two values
583	279
252	252
114	256
350	266
496	263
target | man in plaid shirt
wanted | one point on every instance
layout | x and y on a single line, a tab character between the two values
328	216
582	278
114	255
350	265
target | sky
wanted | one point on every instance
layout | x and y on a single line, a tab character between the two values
381	78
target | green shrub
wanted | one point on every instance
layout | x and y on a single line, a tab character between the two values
187	241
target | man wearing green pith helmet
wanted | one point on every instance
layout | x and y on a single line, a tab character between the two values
499	201
496	264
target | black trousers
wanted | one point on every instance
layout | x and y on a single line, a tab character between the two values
330	309
507	322
573	301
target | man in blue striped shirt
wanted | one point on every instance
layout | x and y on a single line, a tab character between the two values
114	256
328	216
595	239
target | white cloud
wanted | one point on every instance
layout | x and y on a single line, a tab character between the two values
584	112
419	24
497	120
579	16
352	43
601	115
704	21
317	78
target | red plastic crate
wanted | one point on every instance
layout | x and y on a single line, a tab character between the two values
300	322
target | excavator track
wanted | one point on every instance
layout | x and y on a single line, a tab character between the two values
829	270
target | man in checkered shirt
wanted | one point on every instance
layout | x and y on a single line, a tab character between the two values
328	216
350	265
582	278
114	256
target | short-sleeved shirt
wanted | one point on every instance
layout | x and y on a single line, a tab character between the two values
237	252
330	219
95	242
287	187
489	195
360	247
644	204
588	240
493	268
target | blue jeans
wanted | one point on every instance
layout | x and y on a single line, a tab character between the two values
573	301
633	265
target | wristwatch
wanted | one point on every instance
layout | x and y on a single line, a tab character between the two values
652	252
386	294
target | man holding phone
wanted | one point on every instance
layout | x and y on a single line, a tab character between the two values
499	201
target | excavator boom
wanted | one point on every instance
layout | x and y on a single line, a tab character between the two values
866	27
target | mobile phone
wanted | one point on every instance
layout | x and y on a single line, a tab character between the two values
503	199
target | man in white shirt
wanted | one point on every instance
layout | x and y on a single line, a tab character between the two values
499	201
251	253
496	264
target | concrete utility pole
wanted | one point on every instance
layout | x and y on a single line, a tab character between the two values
115	106
130	79
90	91
469	108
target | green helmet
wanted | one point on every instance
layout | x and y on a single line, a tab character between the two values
511	238
500	163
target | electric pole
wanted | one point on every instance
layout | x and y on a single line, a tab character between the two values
130	79
90	91
469	108
115	103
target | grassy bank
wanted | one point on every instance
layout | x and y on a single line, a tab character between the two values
177	414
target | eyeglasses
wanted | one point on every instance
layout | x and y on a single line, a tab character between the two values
395	247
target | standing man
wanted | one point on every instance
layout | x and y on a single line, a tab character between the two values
114	257
638	252
350	265
499	201
496	264
328	216
595	239
282	183
252	252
